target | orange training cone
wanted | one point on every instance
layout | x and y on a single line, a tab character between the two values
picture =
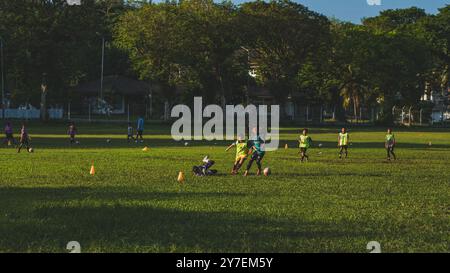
181	177
92	172
145	149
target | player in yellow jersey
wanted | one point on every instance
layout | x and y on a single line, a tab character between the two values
305	143
343	140
242	153
390	144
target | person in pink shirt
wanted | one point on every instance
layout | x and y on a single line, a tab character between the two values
9	137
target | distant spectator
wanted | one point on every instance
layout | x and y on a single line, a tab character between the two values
130	132
140	129
24	139
9	139
72	132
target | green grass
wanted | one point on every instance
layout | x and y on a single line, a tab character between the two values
135	204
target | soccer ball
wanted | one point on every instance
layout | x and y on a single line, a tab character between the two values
266	171
108	141
30	150
186	144
320	145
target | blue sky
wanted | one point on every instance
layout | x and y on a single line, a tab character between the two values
354	10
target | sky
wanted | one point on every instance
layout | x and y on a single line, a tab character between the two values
355	10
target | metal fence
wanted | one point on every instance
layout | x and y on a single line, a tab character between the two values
31	113
409	116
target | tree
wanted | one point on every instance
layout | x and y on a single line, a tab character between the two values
349	73
284	36
398	58
435	30
189	46
54	38
395	20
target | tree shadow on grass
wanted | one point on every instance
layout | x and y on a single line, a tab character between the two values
45	219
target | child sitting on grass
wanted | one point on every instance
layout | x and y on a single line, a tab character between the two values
204	170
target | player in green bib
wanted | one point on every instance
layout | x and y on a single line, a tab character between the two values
390	144
305	143
343	140
242	152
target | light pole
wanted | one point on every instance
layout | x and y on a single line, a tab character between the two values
3	78
103	63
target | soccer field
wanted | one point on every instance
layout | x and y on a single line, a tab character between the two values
135	204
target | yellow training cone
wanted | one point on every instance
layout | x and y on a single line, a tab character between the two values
92	172
286	146
181	177
145	149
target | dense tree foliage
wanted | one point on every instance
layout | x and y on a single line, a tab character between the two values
200	47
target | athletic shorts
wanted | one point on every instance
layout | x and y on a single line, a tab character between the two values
258	157
240	157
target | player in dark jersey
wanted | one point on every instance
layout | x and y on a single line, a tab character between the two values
24	139
257	150
72	133
9	137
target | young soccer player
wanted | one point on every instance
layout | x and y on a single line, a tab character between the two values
204	170
343	140
390	144
130	133
305	143
241	153
72	131
9	137
140	129
257	152
24	139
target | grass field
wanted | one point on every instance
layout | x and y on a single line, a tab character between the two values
135	204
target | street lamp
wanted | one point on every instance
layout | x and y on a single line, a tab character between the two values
3	78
